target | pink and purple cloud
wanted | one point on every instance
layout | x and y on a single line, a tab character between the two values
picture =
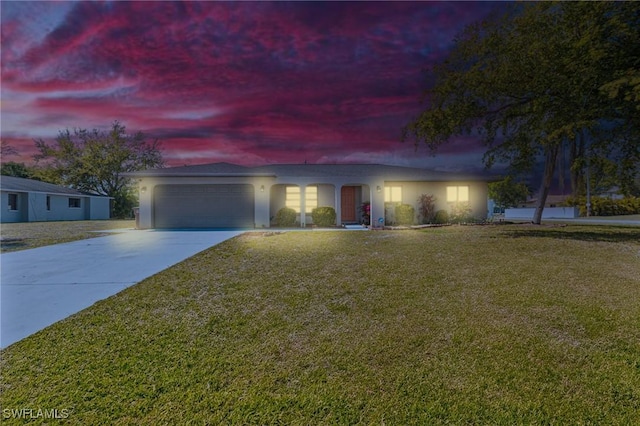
244	82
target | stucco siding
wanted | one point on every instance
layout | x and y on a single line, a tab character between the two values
98	208
277	200
270	184
478	192
32	207
75	213
10	216
59	209
37	207
326	196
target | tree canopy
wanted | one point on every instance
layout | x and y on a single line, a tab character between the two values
507	193
95	161
6	150
11	168
542	77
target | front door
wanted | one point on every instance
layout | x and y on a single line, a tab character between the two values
348	203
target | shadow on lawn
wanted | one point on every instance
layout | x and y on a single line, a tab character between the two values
9	244
610	234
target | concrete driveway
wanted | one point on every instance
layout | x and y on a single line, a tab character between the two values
41	286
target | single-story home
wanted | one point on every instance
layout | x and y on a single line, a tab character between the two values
28	200
223	195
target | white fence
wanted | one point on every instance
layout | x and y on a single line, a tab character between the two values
547	213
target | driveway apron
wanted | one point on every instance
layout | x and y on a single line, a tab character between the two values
44	285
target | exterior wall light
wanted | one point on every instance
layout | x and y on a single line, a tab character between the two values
261	188
378	188
143	190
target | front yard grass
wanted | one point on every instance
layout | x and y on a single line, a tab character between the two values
27	235
510	324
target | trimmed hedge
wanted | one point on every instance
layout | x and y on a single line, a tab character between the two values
324	216
601	206
405	214
286	216
442	217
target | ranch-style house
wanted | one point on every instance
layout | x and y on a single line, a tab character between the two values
223	195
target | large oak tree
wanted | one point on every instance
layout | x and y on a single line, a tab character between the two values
95	161
541	78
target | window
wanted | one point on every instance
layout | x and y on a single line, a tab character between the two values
392	194
311	198
457	194
13	201
74	203
48	203
292	198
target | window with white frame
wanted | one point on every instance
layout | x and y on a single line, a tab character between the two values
292	198
13	202
457	194
392	194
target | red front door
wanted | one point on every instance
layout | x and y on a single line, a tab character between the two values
348	202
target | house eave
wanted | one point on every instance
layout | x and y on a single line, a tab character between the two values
61	194
172	175
357	172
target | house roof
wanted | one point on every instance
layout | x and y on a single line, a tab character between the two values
11	183
213	169
312	170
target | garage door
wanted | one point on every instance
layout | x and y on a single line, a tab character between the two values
204	206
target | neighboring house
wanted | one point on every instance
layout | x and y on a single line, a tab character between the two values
553	200
223	195
27	200
552	209
612	193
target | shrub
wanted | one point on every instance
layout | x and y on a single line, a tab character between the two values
427	207
365	210
405	214
286	216
442	216
324	216
461	212
601	206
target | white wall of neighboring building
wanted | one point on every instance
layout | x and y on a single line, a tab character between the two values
547	213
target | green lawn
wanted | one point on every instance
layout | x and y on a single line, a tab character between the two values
28	235
511	324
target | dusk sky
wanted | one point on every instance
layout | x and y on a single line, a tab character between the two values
246	82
